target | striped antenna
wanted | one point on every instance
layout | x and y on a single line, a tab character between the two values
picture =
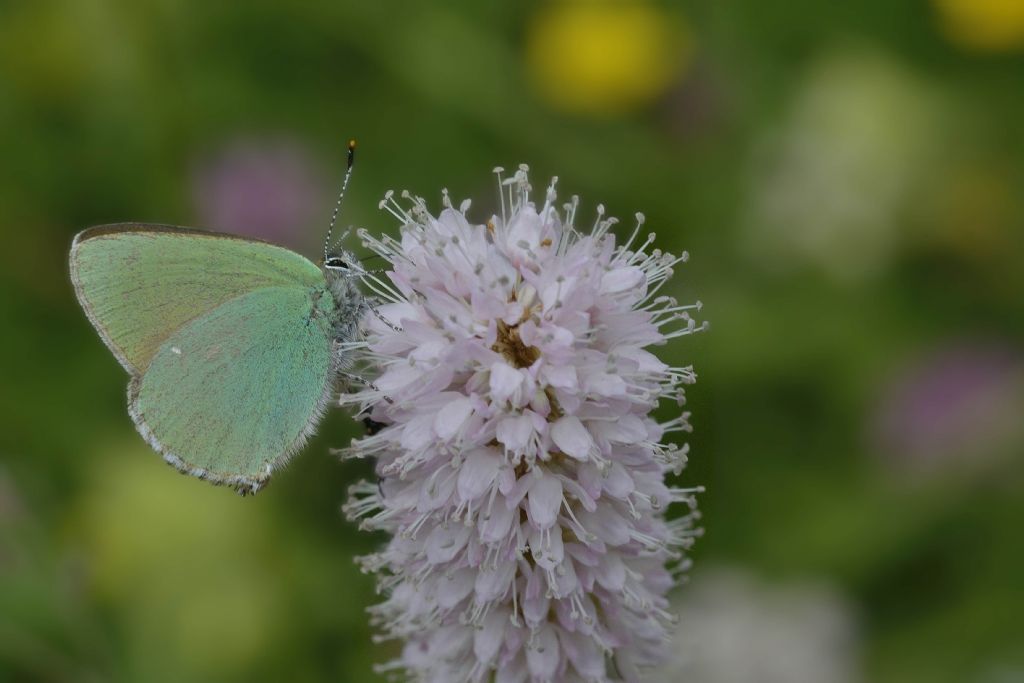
341	195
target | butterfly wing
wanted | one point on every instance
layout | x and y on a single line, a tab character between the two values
138	283
232	394
228	342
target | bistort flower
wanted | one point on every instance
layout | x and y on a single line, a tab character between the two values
522	476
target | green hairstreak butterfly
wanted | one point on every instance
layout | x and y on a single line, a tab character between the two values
234	346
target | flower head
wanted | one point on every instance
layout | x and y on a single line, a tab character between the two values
522	476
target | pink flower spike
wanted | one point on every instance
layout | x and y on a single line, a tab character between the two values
522	475
545	501
452	416
543	657
515	432
478	473
505	381
572	437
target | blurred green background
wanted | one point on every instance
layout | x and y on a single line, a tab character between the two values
848	180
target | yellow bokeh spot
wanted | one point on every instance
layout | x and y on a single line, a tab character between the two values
983	25
605	58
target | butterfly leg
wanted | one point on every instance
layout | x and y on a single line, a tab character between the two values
348	376
380	317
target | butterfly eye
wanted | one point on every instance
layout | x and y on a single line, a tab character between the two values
336	263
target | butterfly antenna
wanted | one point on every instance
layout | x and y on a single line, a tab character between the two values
341	195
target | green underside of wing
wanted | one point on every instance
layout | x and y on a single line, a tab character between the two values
141	283
234	392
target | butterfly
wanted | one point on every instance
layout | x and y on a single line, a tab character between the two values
234	346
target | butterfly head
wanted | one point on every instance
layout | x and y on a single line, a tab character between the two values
342	271
343	264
